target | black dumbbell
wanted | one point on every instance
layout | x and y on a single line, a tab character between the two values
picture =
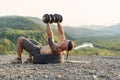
58	18
48	18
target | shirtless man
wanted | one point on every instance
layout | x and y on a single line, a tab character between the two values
33	47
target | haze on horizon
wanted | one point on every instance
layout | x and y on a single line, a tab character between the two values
74	12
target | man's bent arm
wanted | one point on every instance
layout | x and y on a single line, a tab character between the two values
61	32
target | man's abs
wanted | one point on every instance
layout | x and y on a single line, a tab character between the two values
46	50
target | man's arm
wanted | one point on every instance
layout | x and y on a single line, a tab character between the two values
50	39
49	31
61	32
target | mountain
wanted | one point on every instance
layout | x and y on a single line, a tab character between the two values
78	32
19	22
36	20
92	31
94	27
34	23
113	28
12	27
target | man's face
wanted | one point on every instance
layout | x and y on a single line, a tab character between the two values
65	44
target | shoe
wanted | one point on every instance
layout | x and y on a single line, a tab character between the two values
17	61
28	61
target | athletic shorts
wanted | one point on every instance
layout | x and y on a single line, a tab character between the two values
31	46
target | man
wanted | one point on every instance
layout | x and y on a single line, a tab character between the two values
33	47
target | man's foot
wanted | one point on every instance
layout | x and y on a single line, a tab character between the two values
28	61
17	61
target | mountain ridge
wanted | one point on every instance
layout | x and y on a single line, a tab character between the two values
12	27
35	23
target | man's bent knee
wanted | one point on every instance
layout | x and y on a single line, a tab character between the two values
20	39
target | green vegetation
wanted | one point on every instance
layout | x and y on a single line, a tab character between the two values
17	22
12	27
104	46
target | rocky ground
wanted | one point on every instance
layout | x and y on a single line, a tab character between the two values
89	68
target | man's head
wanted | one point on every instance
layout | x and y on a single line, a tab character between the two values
70	45
66	45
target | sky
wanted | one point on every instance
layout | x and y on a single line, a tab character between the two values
74	12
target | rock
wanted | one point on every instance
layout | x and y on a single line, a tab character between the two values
59	76
99	68
45	76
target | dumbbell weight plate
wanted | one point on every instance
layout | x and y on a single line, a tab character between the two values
46	18
56	18
60	18
52	18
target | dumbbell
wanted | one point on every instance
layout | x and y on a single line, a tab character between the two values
58	18
48	18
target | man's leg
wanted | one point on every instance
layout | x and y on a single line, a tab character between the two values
19	48
19	51
29	60
26	44
30	56
35	43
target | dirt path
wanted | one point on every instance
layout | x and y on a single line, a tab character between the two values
96	68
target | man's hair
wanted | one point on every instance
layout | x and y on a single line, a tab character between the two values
70	45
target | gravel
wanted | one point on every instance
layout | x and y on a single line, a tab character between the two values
89	68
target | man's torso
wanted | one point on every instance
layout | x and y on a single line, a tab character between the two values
47	50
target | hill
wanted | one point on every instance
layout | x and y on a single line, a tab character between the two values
12	27
18	22
113	28
78	32
92	31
